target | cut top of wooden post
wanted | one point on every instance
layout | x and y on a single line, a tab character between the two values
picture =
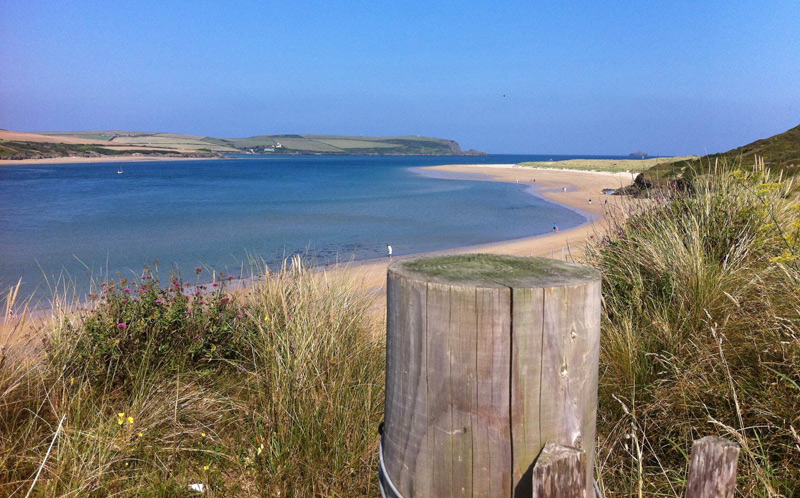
491	270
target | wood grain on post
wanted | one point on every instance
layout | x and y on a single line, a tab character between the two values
488	358
560	472
712	468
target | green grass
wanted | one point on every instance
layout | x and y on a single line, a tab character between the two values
780	152
701	334
608	165
278	391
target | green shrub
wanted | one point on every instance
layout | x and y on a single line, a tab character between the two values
140	323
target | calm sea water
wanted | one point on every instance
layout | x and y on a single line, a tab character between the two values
85	220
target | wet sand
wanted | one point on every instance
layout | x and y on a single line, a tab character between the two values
581	186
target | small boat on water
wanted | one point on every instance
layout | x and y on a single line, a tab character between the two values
119	171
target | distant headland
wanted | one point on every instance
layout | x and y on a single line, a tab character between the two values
109	144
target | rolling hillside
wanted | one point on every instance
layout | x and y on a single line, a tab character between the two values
18	145
779	152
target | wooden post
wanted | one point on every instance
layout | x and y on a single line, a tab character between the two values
560	472
712	469
488	359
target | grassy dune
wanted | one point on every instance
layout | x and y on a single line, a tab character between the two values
280	390
701	334
277	392
610	165
780	152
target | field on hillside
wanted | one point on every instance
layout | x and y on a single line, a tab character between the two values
289	144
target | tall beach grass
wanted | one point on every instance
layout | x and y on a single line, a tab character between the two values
274	392
701	333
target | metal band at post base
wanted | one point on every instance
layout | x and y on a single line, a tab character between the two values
384	481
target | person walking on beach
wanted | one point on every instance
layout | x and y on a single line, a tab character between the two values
555	227
390	250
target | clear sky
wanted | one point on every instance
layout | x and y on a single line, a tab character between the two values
594	77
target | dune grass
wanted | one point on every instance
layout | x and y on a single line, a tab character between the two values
701	334
278	390
607	165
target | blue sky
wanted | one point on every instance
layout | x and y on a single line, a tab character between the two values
517	77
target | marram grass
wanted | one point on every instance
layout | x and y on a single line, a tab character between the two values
277	391
701	334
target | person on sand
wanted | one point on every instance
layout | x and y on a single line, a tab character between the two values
555	227
390	250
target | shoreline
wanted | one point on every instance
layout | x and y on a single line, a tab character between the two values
103	159
549	184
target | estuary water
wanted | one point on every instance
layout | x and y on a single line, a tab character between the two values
83	221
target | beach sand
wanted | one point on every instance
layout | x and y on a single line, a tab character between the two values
567	244
581	187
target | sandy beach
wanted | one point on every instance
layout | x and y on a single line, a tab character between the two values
581	187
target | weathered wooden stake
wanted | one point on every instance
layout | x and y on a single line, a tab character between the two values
488	359
712	468
560	472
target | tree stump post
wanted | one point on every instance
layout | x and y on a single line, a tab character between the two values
712	468
488	358
559	472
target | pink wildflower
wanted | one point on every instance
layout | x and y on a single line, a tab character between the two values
122	325
127	290
224	299
125	300
216	284
159	301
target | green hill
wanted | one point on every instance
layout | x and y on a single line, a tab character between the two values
779	152
275	144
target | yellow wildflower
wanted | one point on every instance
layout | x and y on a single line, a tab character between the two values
260	449
786	257
205	467
140	434
203	434
130	420
765	188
